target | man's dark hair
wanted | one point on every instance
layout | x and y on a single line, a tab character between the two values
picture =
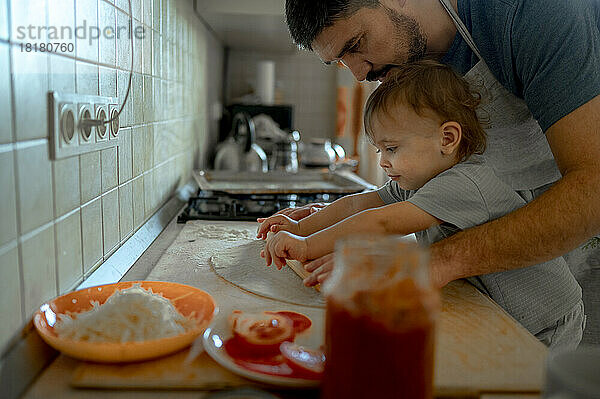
306	19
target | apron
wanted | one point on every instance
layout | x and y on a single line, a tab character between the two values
517	149
520	155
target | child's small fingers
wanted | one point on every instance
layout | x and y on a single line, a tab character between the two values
310	281
322	277
313	265
260	220
280	262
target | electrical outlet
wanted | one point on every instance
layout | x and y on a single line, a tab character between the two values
86	112
113	111
102	130
69	136
67	126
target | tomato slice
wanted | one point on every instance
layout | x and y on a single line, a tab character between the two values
262	333
309	362
301	322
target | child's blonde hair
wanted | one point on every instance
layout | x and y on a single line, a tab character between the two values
428	85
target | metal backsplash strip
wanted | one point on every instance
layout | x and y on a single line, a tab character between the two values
27	355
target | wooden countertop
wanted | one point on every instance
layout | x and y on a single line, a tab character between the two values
481	351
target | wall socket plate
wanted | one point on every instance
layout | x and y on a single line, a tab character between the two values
68	137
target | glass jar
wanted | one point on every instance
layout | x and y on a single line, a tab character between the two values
381	312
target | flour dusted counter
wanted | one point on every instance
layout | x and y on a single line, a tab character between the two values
480	349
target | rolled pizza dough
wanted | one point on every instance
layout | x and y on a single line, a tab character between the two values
242	266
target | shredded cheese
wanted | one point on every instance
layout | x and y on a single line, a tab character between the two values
132	314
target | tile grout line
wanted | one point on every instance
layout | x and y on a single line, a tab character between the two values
16	171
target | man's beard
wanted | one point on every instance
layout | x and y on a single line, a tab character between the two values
417	42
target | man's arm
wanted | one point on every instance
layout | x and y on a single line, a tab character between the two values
558	221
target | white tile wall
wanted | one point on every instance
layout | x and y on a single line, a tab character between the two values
148	103
10	292
68	251
137	89
30	87
62	219
5	97
139	137
149	194
8	210
86	14
91	229
107	18
125	156
62	74
39	269
66	183
147	11
139	214
139	46
109	169
110	214
28	12
91	176
61	13
147	44
88	78
122	82
3	19
108	82
126	210
34	182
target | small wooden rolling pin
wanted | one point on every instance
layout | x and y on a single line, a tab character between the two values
298	268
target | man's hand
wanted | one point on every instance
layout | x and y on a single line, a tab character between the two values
320	268
302	211
282	246
277	223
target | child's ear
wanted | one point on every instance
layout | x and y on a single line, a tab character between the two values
451	134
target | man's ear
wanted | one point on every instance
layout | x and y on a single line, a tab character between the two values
451	134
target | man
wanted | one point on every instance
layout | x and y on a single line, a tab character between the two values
537	65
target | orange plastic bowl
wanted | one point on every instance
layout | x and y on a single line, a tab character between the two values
185	298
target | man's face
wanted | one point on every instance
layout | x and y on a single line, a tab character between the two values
371	42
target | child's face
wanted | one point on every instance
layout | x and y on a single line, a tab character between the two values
410	146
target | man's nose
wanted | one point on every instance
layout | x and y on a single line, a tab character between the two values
359	68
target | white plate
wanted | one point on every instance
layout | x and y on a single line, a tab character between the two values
219	331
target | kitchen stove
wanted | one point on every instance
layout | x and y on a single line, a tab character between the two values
218	205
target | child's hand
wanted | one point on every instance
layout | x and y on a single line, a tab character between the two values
282	246
276	223
320	268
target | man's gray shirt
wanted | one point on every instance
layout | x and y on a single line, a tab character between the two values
470	194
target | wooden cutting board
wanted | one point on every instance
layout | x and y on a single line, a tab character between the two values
480	348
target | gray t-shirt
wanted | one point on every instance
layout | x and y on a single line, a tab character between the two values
544	51
470	194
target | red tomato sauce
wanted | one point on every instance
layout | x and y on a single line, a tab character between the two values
273	364
401	362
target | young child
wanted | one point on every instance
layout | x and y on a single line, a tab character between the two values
423	122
